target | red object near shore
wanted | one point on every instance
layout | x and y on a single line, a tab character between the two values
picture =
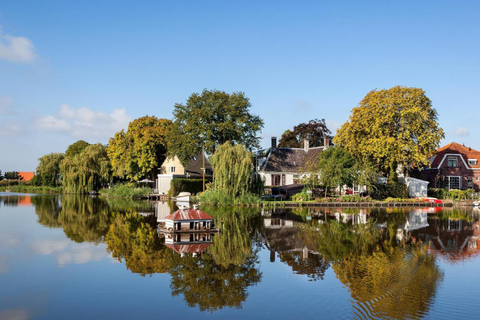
431	199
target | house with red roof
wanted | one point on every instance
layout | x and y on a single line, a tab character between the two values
188	220
454	166
26	176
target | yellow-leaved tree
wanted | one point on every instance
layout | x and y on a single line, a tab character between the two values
392	126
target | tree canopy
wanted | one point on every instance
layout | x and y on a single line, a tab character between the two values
233	169
48	169
211	119
138	153
76	148
87	171
394	126
337	167
313	130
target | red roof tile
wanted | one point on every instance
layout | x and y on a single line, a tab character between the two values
26	176
456	148
188	214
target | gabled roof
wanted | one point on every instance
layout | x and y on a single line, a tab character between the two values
196	164
456	148
289	159
26	176
188	214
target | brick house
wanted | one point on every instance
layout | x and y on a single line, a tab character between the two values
454	166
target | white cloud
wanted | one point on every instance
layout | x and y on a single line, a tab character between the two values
50	246
9	129
6	105
85	123
16	49
461	132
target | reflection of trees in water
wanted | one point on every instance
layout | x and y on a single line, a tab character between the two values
221	276
82	218
386	278
393	282
312	265
209	285
132	239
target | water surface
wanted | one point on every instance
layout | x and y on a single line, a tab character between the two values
78	257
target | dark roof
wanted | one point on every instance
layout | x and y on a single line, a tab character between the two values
195	165
290	159
456	148
188	214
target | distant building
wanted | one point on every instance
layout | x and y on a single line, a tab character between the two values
172	168
454	166
26	176
286	166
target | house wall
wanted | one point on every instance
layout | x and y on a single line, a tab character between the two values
163	183
172	162
435	176
416	187
267	177
185	224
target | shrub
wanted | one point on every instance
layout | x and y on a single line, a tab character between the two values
185	185
452	194
221	198
128	190
394	190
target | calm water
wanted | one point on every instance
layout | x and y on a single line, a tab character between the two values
83	258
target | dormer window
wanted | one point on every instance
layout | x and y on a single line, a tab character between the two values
472	162
452	162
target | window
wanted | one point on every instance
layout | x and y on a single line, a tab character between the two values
452	162
171	169
472	162
452	182
275	179
470	182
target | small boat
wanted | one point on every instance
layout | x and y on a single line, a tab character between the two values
183	196
476	204
431	200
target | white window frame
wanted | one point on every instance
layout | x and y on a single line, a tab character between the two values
448	179
452	158
472	162
172	169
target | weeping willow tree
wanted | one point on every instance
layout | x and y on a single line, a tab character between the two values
89	170
233	170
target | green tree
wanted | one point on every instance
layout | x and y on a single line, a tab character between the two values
233	169
210	119
141	150
87	171
48	169
1	176
390	127
314	130
337	168
76	148
11	175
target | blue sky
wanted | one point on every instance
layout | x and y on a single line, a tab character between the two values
82	70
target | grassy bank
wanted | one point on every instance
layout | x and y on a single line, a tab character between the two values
220	198
32	189
127	191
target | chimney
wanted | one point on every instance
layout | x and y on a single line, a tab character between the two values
306	144
274	142
326	141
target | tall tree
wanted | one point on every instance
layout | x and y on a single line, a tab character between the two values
390	127
210	119
141	150
233	169
87	171
336	166
313	130
48	169
76	148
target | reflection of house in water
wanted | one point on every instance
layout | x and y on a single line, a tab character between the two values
162	210
283	236
358	218
454	239
417	219
188	243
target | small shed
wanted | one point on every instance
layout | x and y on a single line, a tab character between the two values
416	187
188	220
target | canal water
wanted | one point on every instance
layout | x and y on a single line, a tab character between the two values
76	257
